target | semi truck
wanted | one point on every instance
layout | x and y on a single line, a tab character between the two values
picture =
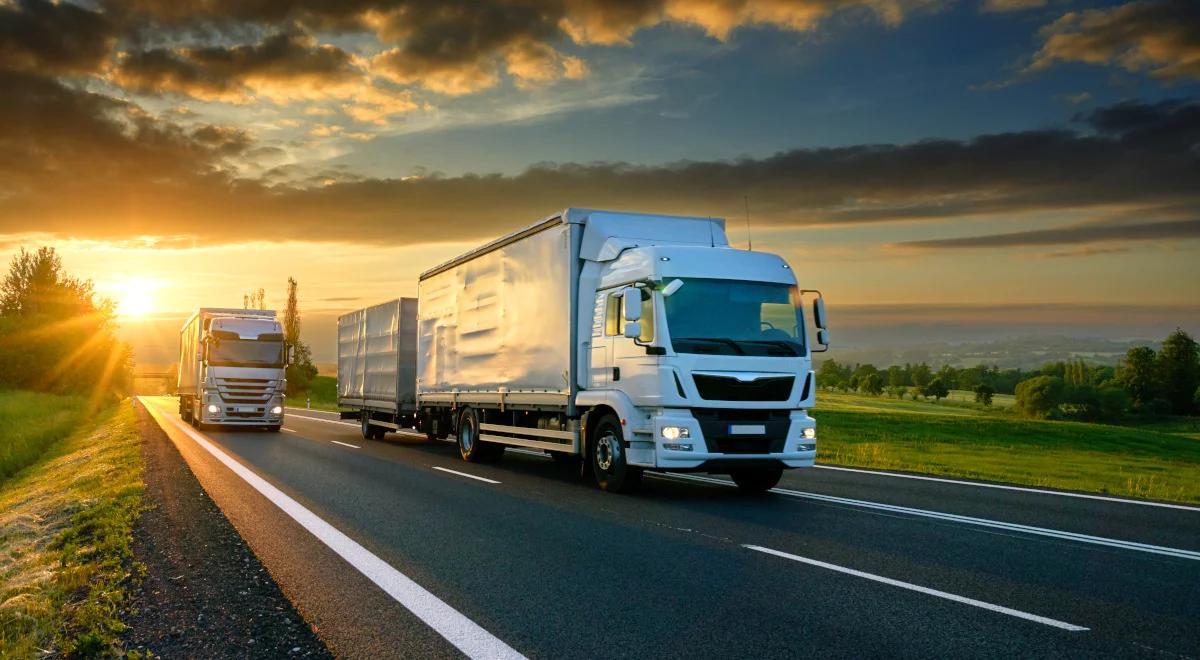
621	342
232	368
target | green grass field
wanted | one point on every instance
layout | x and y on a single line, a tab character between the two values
30	422
1159	461
324	394
65	553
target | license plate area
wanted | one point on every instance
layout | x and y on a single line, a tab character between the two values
747	429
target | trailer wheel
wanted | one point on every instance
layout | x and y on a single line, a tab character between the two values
607	455
370	432
756	481
470	447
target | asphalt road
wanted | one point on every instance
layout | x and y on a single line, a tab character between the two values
398	548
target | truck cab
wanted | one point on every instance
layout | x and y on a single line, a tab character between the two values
700	348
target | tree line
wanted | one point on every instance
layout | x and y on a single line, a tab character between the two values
56	334
1145	383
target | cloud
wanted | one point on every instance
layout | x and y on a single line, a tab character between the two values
53	38
1093	233
156	178
1161	37
1086	252
281	67
1011	5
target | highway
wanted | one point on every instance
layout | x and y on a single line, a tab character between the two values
398	548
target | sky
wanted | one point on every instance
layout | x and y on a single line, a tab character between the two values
976	168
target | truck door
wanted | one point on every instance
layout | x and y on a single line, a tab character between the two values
632	370
604	318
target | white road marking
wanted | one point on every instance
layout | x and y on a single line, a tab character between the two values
925	590
966	520
328	421
288	430
1025	489
345	444
466	635
464	474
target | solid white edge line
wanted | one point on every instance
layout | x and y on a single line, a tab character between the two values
345	444
966	520
327	421
464	474
925	590
1023	489
466	635
288	430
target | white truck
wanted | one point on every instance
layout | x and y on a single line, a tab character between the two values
630	341
232	368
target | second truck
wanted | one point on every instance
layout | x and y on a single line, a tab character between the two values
621	341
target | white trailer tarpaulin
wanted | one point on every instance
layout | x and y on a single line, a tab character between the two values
377	353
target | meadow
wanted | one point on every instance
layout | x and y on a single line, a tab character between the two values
957	439
323	393
30	422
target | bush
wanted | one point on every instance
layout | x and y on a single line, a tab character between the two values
983	394
1040	396
872	384
936	389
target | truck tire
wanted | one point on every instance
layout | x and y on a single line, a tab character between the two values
607	456
756	481
470	447
370	432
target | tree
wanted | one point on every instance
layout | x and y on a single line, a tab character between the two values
1137	374
896	376
983	394
1178	366
872	384
936	389
829	375
255	299
920	375
301	371
55	334
1040	396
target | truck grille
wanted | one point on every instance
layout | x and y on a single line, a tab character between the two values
726	388
715	423
246	390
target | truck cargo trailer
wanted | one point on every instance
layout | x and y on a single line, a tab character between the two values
631	341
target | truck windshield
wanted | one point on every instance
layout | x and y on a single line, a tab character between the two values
736	318
245	353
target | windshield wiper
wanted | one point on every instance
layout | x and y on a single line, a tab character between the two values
716	340
791	346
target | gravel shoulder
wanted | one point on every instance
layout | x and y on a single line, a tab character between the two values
202	592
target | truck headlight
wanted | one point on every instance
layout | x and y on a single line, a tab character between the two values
277	410
810	433
213	409
675	432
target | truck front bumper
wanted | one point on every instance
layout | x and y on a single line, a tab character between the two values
230	414
679	441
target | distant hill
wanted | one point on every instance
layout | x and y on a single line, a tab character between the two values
1018	352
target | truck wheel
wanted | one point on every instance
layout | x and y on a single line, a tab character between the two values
470	447
756	481
370	432
607	455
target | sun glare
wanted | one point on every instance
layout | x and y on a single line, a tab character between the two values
135	297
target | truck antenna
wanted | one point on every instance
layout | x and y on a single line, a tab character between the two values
749	240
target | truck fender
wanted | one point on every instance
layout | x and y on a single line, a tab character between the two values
628	413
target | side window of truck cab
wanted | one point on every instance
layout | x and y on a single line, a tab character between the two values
612	314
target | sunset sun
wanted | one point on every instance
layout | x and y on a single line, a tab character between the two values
135	298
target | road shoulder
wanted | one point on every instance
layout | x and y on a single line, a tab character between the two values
203	592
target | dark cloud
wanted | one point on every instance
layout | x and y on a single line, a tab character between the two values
1158	36
277	65
1094	233
53	38
88	166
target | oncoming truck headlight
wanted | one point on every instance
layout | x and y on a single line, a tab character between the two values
277	410
213	409
675	432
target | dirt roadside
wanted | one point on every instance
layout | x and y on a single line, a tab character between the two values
204	593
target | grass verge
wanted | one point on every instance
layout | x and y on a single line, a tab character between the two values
30	422
960	441
65	533
323	392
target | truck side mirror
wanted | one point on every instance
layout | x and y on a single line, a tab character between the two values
632	297
633	329
823	337
819	313
289	354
